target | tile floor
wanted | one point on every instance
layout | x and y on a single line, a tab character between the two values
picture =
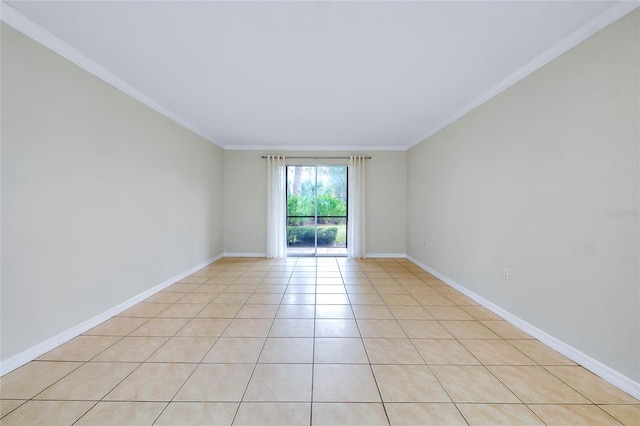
305	341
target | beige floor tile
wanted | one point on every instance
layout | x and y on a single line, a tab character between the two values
372	312
591	386
50	413
182	287
244	327
212	288
280	382
165	297
160	327
81	348
400	300
332	299
506	330
271	289
199	298
330	289
228	310
32	378
540	353
236	350
410	313
183	349
461	300
287	350
535	385
354	414
472	384
389	289
429	300
324	280
245	289
92	381
216	382
296	311
361	286
344	383
444	351
287	327
306	288
193	279
418	414
561	415
182	310
424	329
334	312
152	382
299	298
336	328
8	405
145	310
392	351
496	352
117	326
110	413
625	414
265	299
468	330
227	298
499	414
478	312
340	350
408	383
204	327
274	279
246	284
381	328
132	349
273	414
365	299
258	311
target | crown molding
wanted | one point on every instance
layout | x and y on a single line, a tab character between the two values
585	31
38	33
331	148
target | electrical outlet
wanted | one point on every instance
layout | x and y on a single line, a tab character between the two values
426	244
505	274
259	236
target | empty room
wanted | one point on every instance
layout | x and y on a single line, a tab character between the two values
320	213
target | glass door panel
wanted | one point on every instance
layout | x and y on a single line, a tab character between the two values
317	210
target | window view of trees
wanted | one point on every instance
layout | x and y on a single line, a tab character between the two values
317	206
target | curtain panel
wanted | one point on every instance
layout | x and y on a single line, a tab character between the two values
276	207
356	247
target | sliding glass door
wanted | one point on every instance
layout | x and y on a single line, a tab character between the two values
316	210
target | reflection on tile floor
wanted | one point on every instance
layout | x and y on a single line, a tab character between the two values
305	341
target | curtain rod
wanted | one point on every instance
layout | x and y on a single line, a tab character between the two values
320	158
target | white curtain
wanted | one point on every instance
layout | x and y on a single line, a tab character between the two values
276	207
355	220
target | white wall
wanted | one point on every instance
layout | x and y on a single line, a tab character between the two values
525	182
245	202
102	197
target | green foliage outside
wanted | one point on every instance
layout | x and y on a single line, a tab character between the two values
304	205
305	235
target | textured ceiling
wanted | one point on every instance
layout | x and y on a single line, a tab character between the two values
313	75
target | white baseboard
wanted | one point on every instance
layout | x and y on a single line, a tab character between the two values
386	255
246	254
607	373
41	348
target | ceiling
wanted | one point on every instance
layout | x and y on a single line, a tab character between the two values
312	75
